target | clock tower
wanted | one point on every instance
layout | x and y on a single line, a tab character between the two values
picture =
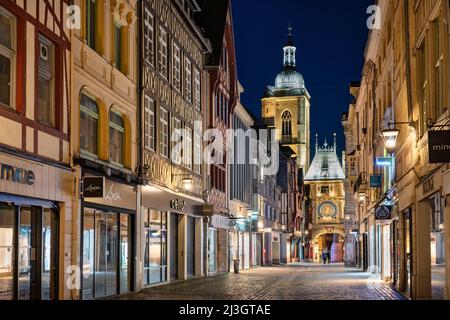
325	178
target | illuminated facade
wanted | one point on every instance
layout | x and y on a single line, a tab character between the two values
405	86
325	179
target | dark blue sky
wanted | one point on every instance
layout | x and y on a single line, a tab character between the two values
330	37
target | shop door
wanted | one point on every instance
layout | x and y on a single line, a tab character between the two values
28	248
190	247
106	254
173	246
386	252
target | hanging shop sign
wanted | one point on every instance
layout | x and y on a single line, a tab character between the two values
383	213
220	222
93	187
376	181
384	161
115	194
439	146
16	174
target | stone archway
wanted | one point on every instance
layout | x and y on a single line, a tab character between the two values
330	238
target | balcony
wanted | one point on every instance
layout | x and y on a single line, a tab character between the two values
361	183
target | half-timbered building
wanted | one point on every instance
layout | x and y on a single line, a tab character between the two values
36	181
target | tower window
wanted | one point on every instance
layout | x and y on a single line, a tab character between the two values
287	125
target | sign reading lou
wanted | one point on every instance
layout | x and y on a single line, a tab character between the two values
439	146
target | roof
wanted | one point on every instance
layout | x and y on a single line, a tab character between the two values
212	19
325	165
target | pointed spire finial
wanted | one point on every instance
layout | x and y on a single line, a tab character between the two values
335	143
290	28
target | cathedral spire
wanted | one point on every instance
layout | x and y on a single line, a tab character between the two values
335	143
289	49
317	142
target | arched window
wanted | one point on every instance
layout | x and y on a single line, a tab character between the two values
116	138
287	124
89	118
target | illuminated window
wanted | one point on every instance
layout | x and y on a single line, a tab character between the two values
164	136
149	125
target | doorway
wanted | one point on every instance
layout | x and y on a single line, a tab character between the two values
106	258
28	252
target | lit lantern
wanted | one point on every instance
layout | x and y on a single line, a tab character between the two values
390	139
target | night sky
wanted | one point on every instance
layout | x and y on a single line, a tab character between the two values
330	37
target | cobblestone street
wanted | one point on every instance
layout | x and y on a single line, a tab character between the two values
293	282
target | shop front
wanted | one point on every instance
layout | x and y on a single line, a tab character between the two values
171	237
219	244
34	201
429	232
108	245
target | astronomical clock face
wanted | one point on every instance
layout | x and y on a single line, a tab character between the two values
327	210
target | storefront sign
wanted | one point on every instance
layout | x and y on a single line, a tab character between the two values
384	161
220	222
383	213
376	181
16	174
117	195
439	146
93	187
177	204
208	210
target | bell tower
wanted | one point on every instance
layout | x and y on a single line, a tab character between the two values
286	106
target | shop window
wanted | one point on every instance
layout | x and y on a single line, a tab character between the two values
116	138
149	36
155	252
89	125
7	58
149	125
46	82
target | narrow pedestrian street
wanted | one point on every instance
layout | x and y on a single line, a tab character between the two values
293	282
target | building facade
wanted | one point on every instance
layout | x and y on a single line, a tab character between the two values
36	178
222	96
405	92
241	187
325	179
171	97
104	146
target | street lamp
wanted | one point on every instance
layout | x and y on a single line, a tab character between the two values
187	183
390	139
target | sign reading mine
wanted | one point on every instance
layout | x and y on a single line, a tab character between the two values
439	146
